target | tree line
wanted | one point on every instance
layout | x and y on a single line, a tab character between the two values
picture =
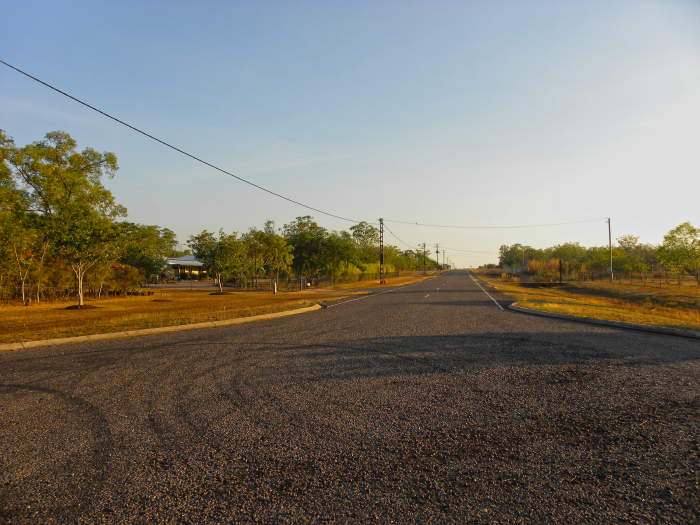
679	254
62	234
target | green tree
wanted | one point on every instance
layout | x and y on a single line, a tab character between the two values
366	238
54	176
308	240
10	213
64	187
147	248
29	246
513	255
570	252
631	260
681	249
277	252
84	237
338	250
224	256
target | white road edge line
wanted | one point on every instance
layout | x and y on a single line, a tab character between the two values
482	289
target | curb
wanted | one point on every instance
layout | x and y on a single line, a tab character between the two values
151	331
603	322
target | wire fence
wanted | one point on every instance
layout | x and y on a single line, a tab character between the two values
620	277
303	283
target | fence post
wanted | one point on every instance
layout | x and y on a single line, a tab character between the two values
560	270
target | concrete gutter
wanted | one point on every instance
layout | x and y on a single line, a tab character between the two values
152	331
603	322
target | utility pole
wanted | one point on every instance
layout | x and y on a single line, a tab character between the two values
437	256
381	251
424	266
443	258
610	246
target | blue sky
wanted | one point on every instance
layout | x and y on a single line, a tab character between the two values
463	113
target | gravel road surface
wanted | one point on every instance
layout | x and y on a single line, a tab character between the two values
424	404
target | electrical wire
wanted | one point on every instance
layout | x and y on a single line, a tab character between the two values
465	255
492	227
391	232
179	150
270	191
468	251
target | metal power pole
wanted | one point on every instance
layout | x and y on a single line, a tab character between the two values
437	256
381	251
424	262
610	246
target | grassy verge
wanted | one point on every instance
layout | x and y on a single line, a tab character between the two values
651	304
403	279
50	320
53	320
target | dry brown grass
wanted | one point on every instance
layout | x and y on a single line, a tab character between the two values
50	320
403	279
53	320
650	304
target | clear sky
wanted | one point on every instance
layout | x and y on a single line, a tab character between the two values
459	113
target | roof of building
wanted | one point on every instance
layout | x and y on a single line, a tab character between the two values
185	260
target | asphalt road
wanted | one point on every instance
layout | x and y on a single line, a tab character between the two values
425	404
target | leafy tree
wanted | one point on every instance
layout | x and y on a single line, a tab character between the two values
681	249
632	259
366	238
147	248
570	252
256	250
513	255
277	253
224	256
10	212
126	277
29	245
55	177
308	239
628	243
338	250
9	193
84	238
64	188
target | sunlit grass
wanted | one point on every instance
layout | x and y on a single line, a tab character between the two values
50	320
665	305
403	279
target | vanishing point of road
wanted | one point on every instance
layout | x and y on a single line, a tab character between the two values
421	404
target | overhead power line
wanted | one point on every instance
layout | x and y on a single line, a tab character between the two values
452	249
468	251
493	227
391	232
465	255
270	191
178	149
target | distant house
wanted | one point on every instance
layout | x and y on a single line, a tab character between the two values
186	267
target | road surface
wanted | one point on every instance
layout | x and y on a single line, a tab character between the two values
424	404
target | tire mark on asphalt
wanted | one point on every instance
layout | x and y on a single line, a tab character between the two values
97	472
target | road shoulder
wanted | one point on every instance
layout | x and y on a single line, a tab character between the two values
153	331
604	322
